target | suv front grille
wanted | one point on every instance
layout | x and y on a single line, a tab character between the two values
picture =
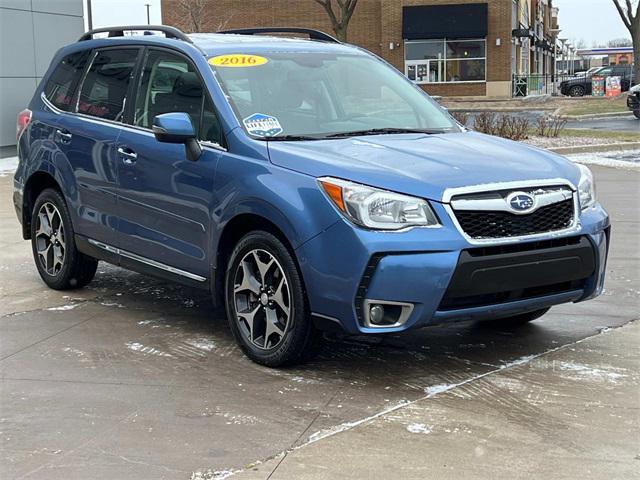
488	215
479	224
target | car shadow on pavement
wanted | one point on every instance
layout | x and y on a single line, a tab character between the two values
412	360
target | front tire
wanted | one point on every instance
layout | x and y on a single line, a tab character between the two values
60	265
266	302
576	91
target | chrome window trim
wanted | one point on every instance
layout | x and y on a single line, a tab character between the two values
449	193
124	126
50	105
146	261
80	86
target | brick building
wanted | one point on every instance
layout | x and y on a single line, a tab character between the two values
449	47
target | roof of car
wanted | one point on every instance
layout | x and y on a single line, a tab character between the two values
212	44
217	43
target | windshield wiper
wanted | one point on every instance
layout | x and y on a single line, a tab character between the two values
289	138
384	131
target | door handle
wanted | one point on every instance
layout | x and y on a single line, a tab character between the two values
128	156
64	136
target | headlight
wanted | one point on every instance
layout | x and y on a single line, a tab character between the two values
586	188
378	209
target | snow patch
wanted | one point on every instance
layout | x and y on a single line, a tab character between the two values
63	308
328	432
592	373
213	474
440	388
8	165
519	361
112	304
419	428
140	348
609	159
202	344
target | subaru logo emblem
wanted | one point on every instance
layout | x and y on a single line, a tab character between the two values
521	202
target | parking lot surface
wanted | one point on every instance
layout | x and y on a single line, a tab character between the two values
134	378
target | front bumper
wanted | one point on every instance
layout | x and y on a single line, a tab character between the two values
425	267
633	101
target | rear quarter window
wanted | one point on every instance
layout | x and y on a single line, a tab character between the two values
64	80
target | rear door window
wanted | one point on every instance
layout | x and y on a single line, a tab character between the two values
104	89
64	80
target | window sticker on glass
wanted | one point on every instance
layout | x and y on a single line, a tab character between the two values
262	125
237	60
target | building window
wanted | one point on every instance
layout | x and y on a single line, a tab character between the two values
444	61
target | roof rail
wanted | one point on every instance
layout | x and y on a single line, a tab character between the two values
313	34
170	32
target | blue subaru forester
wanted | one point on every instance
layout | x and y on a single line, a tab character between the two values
306	183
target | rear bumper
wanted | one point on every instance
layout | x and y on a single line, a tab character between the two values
444	278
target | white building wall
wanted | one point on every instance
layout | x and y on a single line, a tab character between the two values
31	31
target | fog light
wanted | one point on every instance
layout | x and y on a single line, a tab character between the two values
385	313
376	314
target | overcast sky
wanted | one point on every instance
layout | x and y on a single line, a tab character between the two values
591	20
107	13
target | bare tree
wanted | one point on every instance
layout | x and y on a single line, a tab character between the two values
190	14
339	18
632	22
620	42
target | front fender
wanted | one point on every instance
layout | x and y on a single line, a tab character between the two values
291	201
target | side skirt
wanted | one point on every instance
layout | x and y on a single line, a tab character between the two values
138	263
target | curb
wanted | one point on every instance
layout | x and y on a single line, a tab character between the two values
603	147
592	116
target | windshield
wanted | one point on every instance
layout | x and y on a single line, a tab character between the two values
320	95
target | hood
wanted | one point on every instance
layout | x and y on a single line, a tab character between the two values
422	165
635	89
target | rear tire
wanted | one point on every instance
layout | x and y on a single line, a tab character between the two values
518	320
60	265
266	303
577	91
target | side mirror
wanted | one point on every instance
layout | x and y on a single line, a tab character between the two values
176	127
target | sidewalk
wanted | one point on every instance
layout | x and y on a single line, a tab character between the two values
568	413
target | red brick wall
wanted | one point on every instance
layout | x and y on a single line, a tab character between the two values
374	25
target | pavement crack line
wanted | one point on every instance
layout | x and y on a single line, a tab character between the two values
313	420
431	392
49	337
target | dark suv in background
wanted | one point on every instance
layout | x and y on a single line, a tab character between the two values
581	85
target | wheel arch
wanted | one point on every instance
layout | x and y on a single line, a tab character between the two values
35	185
232	231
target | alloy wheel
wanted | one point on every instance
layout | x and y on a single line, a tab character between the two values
262	299
50	239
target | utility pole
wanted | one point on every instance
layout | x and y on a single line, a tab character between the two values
148	5
89	16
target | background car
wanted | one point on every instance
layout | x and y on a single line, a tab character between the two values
581	85
633	100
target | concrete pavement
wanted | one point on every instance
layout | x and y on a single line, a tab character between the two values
134	378
564	414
